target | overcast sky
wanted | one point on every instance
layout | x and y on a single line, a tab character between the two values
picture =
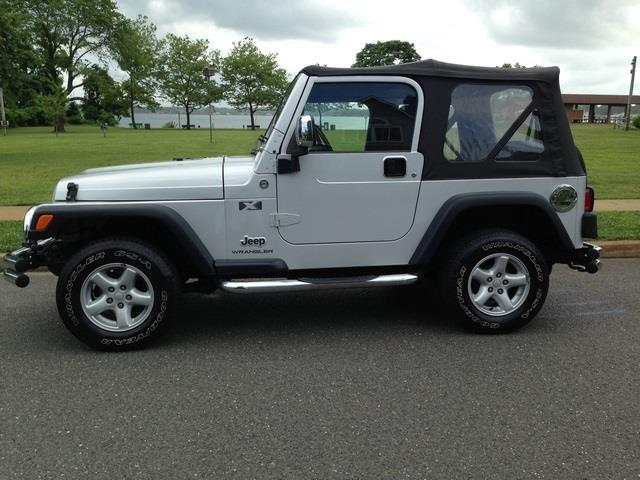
591	41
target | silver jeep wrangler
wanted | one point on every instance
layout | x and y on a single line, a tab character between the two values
366	177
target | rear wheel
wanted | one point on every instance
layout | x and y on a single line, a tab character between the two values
495	281
116	294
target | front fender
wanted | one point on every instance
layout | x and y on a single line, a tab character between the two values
190	244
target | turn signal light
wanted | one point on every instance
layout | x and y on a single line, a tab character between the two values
43	222
589	199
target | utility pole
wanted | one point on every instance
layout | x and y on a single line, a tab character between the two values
633	77
3	119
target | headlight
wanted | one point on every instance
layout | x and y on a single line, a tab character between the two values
28	217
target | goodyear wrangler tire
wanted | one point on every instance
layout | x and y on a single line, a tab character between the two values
116	294
496	281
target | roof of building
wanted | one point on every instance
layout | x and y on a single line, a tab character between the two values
591	99
433	68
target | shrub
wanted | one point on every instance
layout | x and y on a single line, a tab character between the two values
170	124
636	121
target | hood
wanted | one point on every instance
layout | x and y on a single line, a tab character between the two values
171	180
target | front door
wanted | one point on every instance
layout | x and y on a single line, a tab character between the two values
361	179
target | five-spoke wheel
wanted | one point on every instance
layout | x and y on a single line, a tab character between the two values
117	297
498	284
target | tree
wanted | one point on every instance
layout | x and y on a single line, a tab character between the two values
18	64
515	65
182	81
391	52
52	103
65	33
103	98
252	79
136	50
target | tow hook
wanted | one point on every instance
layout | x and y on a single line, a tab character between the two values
587	259
16	264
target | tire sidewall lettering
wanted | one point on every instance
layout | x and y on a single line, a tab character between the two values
72	295
536	271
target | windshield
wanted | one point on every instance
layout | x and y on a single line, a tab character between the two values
262	139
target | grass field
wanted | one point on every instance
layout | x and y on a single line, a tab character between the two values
612	158
33	159
611	226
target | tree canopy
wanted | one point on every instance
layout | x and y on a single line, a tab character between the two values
252	79
391	52
182	81
67	32
135	48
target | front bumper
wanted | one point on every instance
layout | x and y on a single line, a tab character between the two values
587	258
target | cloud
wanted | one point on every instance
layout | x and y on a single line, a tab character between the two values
567	24
281	20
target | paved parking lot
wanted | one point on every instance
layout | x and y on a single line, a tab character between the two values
340	384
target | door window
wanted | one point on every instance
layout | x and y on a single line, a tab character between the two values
362	116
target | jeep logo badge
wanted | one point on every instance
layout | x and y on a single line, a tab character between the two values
259	241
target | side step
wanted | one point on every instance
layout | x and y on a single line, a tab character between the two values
285	285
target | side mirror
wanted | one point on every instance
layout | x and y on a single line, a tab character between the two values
305	138
305	132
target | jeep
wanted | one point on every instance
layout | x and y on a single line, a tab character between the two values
366	177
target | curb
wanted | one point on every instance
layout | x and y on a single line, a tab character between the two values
620	248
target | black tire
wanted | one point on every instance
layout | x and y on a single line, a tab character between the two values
465	256
157	270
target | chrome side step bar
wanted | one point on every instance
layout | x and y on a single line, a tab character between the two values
285	285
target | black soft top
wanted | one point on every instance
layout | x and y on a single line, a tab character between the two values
434	68
438	80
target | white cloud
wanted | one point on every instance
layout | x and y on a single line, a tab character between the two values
592	41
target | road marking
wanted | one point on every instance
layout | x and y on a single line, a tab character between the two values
604	312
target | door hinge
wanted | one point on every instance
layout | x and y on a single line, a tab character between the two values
283	219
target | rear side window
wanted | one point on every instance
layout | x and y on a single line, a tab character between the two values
363	116
492	121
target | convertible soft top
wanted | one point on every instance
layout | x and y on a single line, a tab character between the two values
439	79
434	68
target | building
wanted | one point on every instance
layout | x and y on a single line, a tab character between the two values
576	104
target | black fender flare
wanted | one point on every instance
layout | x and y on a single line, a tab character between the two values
438	228
190	243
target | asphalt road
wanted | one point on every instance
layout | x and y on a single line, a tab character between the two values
341	384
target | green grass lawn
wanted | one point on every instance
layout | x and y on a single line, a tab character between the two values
611	226
33	159
612	158
10	235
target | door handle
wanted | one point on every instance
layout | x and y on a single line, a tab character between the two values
395	167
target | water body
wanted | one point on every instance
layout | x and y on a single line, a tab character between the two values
158	120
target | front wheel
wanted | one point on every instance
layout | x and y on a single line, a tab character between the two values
495	281
116	294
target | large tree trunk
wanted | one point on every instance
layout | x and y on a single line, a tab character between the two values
251	111
188	118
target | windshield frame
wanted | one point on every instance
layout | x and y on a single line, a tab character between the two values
262	139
